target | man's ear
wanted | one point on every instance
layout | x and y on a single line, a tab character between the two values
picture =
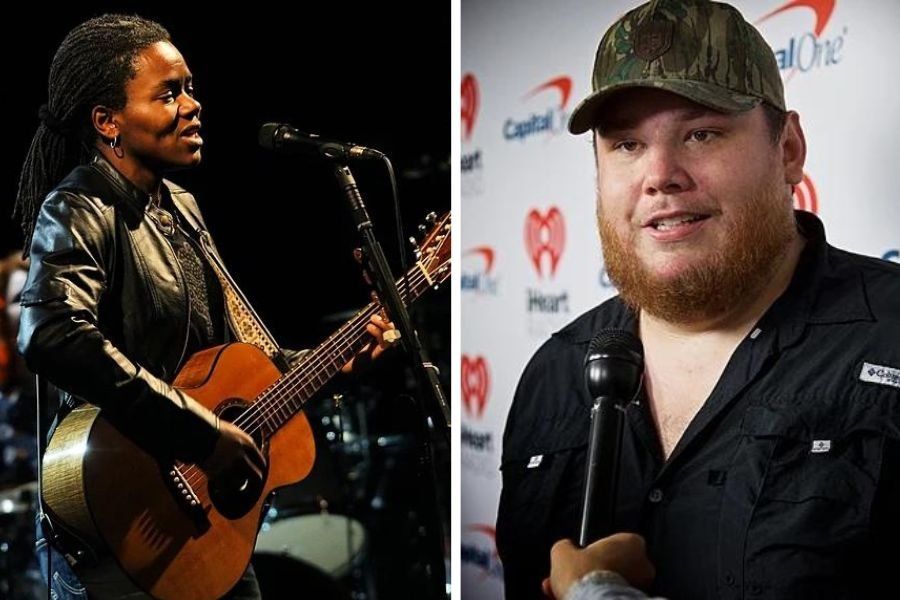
793	149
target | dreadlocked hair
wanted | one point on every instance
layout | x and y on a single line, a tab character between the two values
91	68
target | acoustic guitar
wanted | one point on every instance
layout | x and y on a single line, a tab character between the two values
162	529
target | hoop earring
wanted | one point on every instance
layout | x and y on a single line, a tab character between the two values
116	145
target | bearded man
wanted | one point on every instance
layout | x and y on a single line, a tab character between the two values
762	454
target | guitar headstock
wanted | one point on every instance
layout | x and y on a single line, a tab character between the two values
433	253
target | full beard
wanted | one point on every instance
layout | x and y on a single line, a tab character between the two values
719	283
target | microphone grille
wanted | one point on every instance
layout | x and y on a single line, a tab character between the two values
616	341
267	135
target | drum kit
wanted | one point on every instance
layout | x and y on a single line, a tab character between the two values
360	518
318	534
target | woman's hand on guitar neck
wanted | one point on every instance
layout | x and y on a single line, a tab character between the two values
385	337
235	459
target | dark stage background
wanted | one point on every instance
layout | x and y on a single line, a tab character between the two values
373	74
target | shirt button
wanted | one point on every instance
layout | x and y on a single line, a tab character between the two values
755	589
729	578
656	495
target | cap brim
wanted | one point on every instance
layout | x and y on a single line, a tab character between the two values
587	114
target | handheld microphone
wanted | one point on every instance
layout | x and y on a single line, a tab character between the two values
281	137
613	368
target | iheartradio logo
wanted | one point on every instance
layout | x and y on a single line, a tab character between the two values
805	196
469	104
476	384
545	235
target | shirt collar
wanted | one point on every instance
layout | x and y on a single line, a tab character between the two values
822	291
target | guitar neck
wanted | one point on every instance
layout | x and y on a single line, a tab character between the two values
287	396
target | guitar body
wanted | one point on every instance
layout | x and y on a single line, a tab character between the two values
122	503
143	528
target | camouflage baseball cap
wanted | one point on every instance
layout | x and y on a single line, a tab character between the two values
704	51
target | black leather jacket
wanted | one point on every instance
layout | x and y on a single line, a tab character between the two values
104	309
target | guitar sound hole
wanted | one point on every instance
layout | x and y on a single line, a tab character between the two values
236	494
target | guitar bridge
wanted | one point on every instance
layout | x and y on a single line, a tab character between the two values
186	497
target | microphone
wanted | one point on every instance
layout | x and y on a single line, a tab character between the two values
281	137
613	368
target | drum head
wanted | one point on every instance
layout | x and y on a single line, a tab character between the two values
327	541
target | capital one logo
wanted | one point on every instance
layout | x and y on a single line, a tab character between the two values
809	50
821	8
469	104
545	239
562	84
550	119
805	196
476	383
486	253
478	279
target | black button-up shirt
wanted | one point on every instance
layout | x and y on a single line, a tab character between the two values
786	484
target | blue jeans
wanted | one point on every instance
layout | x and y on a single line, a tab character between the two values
64	584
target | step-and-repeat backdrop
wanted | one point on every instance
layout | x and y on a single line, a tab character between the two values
531	258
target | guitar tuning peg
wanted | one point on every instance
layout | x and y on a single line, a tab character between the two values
431	218
358	255
422	229
412	242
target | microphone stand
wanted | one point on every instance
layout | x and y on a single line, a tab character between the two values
425	370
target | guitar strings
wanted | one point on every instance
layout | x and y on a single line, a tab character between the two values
298	377
283	392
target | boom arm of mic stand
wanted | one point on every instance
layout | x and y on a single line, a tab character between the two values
425	369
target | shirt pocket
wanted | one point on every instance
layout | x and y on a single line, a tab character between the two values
811	516
817	459
538	506
537	495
